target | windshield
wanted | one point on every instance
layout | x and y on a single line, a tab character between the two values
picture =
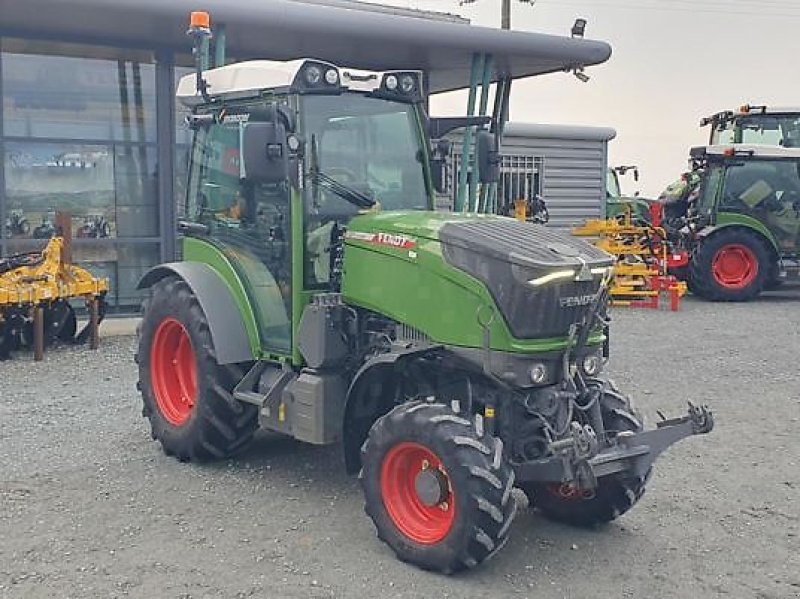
369	145
612	184
772	130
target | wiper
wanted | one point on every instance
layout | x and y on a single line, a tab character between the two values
353	196
318	178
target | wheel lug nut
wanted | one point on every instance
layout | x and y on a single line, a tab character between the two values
425	464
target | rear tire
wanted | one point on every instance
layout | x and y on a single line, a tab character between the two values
468	519
186	393
732	265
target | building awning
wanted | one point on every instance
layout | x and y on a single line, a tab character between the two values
283	30
571	132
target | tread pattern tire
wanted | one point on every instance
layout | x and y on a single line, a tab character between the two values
614	495
701	277
219	425
480	477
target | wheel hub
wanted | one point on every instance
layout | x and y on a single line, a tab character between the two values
431	486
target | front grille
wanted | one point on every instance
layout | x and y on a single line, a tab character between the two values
507	254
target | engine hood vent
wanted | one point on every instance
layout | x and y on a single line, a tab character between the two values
542	281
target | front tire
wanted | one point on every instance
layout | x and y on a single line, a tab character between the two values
732	265
186	393
438	492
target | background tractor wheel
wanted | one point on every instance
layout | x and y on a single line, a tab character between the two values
732	265
564	503
187	395
438	492
614	495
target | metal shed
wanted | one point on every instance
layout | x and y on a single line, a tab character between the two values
565	164
568	166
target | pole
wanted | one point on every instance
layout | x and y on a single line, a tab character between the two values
505	17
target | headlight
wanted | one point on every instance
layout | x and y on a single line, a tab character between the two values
331	76
313	75
407	84
538	373
591	365
391	83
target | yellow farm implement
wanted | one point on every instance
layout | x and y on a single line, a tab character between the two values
643	259
35	293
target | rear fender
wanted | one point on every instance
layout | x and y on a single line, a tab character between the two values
729	219
759	231
228	331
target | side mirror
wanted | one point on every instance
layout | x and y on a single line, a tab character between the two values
488	157
264	152
441	151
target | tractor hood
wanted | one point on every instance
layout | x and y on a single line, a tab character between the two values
540	280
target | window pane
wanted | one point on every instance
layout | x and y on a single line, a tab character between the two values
109	191
77	97
43	178
136	187
133	261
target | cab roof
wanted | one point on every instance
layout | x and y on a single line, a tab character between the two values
285	30
247	79
745	150
750	110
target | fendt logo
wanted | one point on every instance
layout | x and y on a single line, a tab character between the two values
401	242
575	301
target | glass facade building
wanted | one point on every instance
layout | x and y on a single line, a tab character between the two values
92	131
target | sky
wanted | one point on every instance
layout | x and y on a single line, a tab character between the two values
673	62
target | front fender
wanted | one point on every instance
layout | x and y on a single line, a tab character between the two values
361	410
228	331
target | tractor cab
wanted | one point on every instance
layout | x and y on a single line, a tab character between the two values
751	182
761	125
294	150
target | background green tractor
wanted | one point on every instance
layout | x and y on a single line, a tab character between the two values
750	124
760	125
616	203
743	220
455	356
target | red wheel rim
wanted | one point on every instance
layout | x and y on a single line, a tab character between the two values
419	522
735	266
173	371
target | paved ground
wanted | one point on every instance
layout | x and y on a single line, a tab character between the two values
89	507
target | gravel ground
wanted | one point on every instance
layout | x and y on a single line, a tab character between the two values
90	507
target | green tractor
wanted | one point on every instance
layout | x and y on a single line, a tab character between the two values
742	220
617	204
455	356
759	125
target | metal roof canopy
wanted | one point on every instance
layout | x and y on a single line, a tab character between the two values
284	30
563	132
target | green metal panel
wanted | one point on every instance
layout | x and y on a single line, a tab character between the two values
201	251
299	297
461	201
406	278
254	290
728	219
